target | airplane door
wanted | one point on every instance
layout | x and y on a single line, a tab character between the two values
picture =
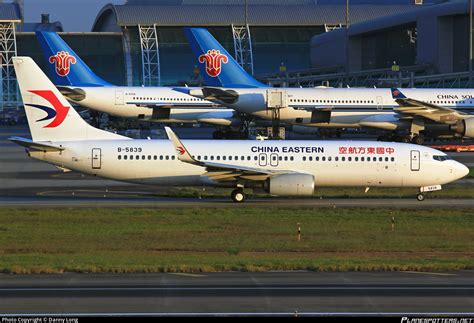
379	103
96	158
274	160
262	159
415	160
118	97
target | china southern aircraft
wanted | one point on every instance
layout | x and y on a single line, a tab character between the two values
411	114
285	168
79	84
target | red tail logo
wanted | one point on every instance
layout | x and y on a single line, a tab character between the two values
213	60
180	150
62	62
58	112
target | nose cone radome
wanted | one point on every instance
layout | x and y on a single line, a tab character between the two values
461	170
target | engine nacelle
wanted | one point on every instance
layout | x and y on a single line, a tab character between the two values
464	127
290	185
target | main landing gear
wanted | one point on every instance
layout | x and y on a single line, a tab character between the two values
420	197
238	195
416	139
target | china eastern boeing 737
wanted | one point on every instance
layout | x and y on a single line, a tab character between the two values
285	168
412	114
79	84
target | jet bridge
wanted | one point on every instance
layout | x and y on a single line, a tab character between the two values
277	99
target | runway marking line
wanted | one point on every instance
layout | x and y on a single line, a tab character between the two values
187	275
428	273
330	288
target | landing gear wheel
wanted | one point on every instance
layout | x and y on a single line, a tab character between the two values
238	195
420	197
419	140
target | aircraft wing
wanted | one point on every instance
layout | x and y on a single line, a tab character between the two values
28	143
311	108
218	171
411	107
178	105
213	94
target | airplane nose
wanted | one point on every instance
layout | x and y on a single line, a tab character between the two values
461	170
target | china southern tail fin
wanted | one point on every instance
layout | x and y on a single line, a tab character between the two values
50	116
217	66
65	66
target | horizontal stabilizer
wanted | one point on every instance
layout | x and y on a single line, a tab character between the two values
28	143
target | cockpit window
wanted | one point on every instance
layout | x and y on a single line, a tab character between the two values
441	157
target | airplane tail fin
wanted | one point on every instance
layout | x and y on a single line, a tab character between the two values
66	67
397	94
50	116
217	66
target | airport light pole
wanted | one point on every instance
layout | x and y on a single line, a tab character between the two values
347	42
470	43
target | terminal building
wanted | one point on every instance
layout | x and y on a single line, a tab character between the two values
142	41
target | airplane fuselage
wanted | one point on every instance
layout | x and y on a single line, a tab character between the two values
160	104
350	107
336	163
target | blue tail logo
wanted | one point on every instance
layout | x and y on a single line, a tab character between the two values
62	62
213	60
66	67
217	66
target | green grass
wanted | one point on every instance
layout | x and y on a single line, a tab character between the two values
471	173
253	239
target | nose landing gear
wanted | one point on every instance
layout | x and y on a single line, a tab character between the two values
420	197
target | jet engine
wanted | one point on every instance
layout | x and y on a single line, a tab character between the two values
464	127
290	185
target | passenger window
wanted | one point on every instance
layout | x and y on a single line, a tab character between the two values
386	159
138	157
292	158
393	159
131	157
280	158
218	157
362	158
143	157
173	157
125	157
329	158
223	158
149	157
310	158
304	158
380	159
119	157
249	158
349	158
155	157
336	158
255	158
343	158
167	157
286	158
317	158
374	159
356	158
212	157
323	158
161	157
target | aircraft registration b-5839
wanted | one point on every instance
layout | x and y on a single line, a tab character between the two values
283	168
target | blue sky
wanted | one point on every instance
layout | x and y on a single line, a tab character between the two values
75	15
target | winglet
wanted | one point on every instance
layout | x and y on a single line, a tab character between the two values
181	152
397	94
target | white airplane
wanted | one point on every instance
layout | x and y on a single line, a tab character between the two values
79	84
418	113
284	168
